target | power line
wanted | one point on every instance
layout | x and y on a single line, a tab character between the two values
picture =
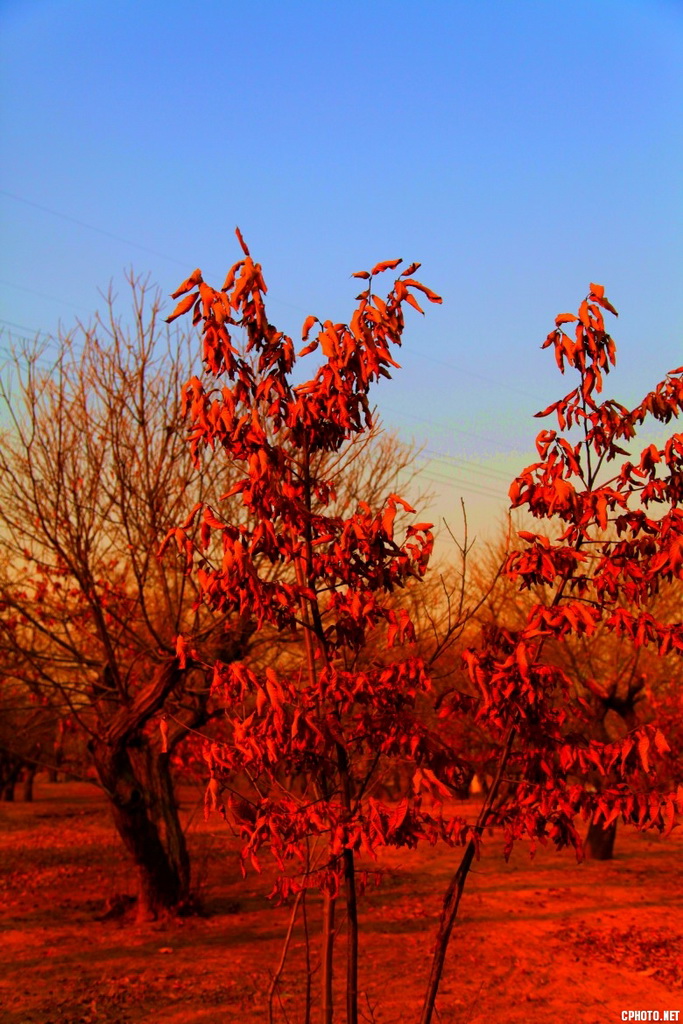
184	263
431	455
117	238
495	474
461	485
22	327
440	474
447	427
473	373
90	227
42	295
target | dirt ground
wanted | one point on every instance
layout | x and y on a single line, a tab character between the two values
537	942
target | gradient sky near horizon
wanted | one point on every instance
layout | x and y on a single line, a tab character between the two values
519	150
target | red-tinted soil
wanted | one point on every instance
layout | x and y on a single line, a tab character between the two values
538	941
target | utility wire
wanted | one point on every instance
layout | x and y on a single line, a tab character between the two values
42	295
462	484
439	456
446	427
90	227
21	327
494	474
472	373
184	264
117	238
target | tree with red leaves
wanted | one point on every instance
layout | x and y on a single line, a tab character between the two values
306	744
306	740
607	556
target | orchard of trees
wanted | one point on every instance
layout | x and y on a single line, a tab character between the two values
205	566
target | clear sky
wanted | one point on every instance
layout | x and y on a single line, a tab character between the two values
518	149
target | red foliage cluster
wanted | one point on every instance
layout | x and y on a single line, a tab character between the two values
309	739
608	551
328	725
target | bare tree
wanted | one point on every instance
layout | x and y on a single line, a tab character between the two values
94	469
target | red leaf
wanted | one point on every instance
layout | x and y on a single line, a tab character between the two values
669	817
230	279
400	501
192	281
379	268
235	489
643	747
660	743
182	650
308	323
183	306
186	523
245	250
307	349
432	296
412	301
212	520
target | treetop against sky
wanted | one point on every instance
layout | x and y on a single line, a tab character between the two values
519	151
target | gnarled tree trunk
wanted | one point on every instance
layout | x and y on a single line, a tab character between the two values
141	799
153	768
161	886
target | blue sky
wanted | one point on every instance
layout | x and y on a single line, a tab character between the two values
519	150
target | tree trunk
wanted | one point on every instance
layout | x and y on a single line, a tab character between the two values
161	889
176	844
463	790
599	843
449	913
9	780
352	951
327	959
57	753
138	791
29	776
153	768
